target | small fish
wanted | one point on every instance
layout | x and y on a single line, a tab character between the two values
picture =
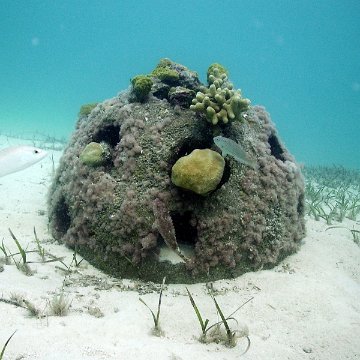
230	147
16	158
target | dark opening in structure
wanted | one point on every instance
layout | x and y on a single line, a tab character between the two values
162	91
110	134
301	205
276	148
186	232
61	220
226	175
191	144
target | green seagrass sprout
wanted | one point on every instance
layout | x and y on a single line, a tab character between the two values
219	101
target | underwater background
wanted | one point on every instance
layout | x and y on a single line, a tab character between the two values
300	59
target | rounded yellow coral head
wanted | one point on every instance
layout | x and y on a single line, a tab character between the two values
200	171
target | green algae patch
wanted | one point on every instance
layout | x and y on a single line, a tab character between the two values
141	86
86	109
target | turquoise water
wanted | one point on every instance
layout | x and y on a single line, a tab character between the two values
300	59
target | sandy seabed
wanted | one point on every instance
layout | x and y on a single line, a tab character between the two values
308	307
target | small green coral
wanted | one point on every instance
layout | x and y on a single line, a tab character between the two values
86	109
95	154
164	73
141	86
219	102
165	62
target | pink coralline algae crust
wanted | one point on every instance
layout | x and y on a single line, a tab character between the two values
253	220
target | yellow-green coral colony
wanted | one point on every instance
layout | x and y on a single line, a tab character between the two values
94	154
165	74
86	109
219	102
141	86
218	68
200	171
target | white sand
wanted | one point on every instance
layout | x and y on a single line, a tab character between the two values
308	307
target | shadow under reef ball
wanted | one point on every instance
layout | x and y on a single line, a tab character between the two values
114	198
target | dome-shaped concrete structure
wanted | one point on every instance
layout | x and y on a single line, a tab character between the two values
126	216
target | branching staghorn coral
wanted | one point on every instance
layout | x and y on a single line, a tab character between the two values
219	102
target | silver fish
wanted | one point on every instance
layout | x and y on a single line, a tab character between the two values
16	158
235	150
